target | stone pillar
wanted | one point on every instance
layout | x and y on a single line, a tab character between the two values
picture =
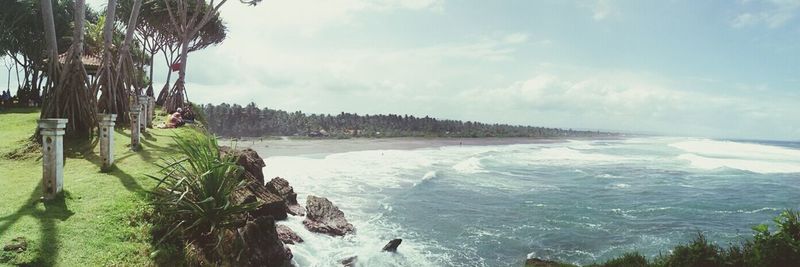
106	133
134	113
143	101
151	111
52	131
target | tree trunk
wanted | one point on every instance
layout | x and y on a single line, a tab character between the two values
105	77
52	57
175	97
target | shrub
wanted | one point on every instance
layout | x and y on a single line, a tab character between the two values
193	198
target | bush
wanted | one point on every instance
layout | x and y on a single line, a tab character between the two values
193	199
781	248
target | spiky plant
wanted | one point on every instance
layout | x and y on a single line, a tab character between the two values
194	195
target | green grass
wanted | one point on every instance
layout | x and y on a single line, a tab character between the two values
97	220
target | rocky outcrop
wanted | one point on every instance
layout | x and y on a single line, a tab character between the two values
272	204
324	217
262	246
392	245
281	187
287	235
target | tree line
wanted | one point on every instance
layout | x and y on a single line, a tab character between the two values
251	121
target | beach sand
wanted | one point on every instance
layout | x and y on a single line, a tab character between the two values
295	147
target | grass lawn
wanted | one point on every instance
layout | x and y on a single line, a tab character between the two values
97	221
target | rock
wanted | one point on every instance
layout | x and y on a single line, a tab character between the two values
324	217
287	235
272	204
392	245
536	262
281	187
262	246
350	262
18	244
247	158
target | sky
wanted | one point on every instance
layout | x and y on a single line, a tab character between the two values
726	69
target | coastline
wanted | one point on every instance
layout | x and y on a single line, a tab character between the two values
296	147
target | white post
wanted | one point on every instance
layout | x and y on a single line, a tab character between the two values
151	112
134	113
143	101
106	132
52	131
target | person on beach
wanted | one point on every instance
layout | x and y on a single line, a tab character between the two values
188	115
174	121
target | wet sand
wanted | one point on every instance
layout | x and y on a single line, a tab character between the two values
294	147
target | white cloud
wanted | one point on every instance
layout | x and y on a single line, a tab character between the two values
636	101
772	13
309	16
603	9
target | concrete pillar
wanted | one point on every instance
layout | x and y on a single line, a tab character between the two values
151	111
143	101
106	133
134	113
52	131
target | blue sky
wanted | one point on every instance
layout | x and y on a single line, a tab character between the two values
701	68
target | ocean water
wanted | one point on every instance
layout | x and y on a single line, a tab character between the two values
576	201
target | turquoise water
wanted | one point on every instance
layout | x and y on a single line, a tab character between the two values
577	201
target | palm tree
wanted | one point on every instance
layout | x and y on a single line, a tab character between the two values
69	97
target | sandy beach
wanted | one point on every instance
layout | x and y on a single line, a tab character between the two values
294	147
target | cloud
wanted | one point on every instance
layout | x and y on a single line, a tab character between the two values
635	101
770	13
603	9
309	17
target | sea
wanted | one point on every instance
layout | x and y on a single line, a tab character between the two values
576	201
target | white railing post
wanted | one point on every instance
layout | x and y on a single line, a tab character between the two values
106	133
52	131
136	109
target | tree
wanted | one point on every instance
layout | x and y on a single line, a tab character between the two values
21	40
105	75
70	97
188	18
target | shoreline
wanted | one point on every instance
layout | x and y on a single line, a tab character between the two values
297	147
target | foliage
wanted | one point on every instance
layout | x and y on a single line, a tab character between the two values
193	199
250	121
780	248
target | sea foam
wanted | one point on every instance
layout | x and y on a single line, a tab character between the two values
711	154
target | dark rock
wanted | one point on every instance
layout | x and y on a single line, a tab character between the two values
272	204
262	246
324	217
247	158
350	262
281	187
536	262
18	244
392	245
287	235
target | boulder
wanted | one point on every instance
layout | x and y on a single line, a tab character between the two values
281	187
350	262
262	246
272	204
247	158
324	217
392	245
287	235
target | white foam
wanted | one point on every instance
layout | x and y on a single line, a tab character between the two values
469	166
711	154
